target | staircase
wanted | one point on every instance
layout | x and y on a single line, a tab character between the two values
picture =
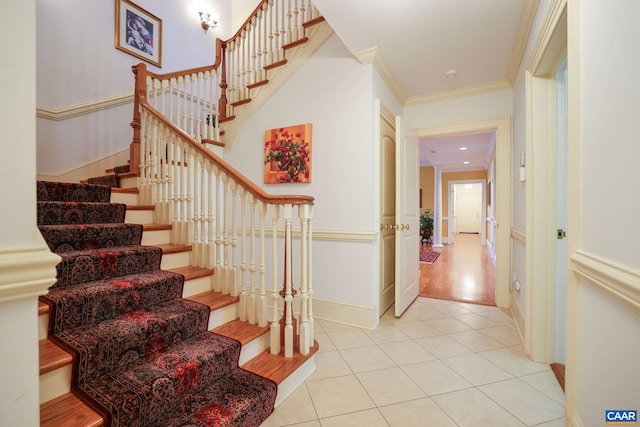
60	406
239	249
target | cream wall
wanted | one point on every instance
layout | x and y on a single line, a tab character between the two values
426	185
343	179
603	137
77	64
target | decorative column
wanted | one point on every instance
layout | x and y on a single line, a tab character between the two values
437	207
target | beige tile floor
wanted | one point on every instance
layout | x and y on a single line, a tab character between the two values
441	364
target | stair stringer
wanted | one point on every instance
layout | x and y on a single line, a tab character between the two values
296	56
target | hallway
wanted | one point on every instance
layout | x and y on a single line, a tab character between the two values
442	364
463	272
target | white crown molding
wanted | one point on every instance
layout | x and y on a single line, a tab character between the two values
478	89
27	271
373	56
84	108
618	280
527	16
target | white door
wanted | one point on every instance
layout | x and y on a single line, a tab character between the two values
407	275
387	209
468	205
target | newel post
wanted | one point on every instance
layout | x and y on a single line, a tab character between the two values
140	89
221	53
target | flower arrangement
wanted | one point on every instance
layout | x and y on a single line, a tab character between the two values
287	153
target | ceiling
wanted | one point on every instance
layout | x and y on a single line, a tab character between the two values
416	42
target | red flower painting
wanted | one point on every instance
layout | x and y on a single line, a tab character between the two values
287	154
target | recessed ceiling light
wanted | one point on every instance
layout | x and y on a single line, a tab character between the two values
451	74
466	163
463	148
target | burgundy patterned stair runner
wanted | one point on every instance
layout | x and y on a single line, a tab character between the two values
142	353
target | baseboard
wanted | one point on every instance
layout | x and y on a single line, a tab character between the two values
27	272
90	169
353	315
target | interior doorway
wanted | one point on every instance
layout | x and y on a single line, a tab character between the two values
501	194
466	208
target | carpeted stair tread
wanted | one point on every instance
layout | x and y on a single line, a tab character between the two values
73	237
72	192
142	355
92	302
122	340
158	384
55	212
242	400
103	263
121	169
110	180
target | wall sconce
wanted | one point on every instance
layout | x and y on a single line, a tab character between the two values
207	22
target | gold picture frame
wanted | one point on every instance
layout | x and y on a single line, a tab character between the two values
138	32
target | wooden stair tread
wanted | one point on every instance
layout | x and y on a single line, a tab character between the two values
156	227
43	307
241	331
296	43
170	248
276	367
258	84
190	272
124	190
126	175
241	102
69	411
214	299
52	356
141	207
275	65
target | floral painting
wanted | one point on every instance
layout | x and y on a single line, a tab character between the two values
287	154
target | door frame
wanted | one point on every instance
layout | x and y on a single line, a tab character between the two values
483	209
541	155
503	176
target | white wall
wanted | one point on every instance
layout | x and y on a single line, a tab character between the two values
77	63
339	104
460	110
603	120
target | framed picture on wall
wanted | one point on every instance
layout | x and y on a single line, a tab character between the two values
138	32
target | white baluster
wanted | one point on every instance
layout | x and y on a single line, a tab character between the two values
275	296
288	295
289	35
303	214
251	306
310	319
212	192
226	252
261	303
190	161
233	280
243	261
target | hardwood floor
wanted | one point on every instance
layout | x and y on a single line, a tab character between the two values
463	272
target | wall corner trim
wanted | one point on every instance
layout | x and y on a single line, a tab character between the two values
26	271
